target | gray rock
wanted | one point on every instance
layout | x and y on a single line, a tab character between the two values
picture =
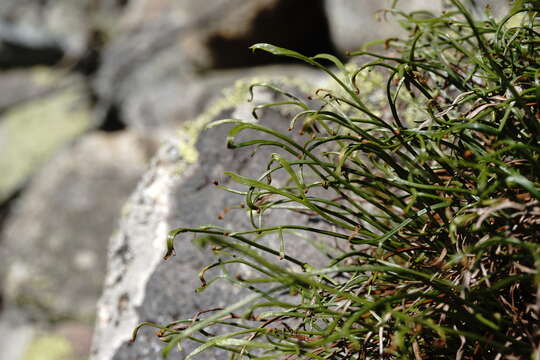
54	241
24	45
16	333
48	30
355	22
19	86
155	68
496	8
23	339
162	103
177	191
32	131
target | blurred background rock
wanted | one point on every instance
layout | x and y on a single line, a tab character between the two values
89	89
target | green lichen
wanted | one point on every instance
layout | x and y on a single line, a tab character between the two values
231	97
49	347
237	94
32	132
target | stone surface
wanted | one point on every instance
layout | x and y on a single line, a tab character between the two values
158	104
155	68
16	334
44	31
161	65
55	238
64	341
31	132
25	45
355	22
48	347
19	86
23	339
177	191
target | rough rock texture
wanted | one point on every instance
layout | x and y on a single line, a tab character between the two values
355	22
17	332
163	105
25	45
31	132
44	31
19	86
176	191
55	240
64	341
160	48
145	67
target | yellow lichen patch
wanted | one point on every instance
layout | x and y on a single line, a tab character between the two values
233	96
49	347
30	134
237	94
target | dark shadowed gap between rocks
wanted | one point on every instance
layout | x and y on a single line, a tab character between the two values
17	55
22	46
5	208
90	62
112	121
282	26
26	47
122	3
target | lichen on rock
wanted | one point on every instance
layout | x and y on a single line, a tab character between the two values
32	132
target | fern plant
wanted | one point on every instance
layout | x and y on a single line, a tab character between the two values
434	200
